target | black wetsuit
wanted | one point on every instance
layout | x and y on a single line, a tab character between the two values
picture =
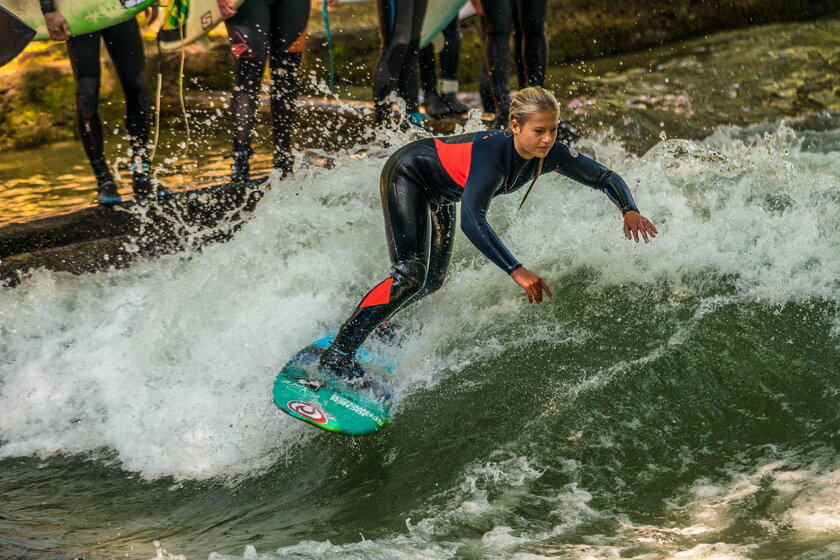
125	46
497	20
419	187
400	23
449	58
263	29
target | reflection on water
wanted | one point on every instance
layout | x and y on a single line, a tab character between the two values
63	181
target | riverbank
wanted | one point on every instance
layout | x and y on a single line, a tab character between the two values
37	91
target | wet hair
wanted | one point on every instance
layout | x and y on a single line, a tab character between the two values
527	102
530	101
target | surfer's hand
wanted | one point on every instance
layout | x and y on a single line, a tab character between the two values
635	224
57	26
225	9
333	2
531	283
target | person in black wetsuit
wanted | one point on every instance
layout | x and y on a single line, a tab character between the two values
440	99
497	19
400	24
420	186
260	31
125	45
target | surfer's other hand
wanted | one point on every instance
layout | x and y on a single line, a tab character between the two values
57	26
531	283
333	2
226	9
636	224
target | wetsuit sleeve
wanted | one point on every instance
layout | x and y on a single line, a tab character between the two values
485	178
591	173
47	6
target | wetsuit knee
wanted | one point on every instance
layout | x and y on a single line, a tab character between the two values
87	97
409	279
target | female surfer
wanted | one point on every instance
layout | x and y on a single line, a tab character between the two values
420	185
260	31
125	45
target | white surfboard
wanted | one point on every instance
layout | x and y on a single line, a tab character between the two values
187	21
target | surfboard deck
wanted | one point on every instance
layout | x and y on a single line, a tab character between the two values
329	403
83	16
187	21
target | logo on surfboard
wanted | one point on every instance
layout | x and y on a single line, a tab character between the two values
308	410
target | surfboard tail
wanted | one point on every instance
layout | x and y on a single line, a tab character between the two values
16	35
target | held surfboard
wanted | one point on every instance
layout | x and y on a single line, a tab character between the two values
187	21
83	16
438	15
305	393
16	35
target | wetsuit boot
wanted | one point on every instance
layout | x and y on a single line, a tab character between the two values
340	364
106	189
448	88
145	186
455	106
434	105
240	171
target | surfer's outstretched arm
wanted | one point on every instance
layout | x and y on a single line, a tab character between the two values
582	169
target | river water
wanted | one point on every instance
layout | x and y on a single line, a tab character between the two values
674	400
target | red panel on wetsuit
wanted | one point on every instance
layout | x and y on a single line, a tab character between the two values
379	295
300	42
456	159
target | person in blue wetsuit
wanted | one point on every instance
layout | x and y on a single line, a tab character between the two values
420	186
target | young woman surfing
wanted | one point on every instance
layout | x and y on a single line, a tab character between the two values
420	186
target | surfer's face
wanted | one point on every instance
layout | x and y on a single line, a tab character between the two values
535	136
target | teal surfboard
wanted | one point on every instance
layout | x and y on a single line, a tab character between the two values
438	15
305	393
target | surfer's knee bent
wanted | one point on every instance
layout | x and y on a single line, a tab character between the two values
409	278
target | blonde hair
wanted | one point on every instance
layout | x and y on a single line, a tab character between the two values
530	101
527	102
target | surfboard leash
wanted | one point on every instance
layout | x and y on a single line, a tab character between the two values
325	12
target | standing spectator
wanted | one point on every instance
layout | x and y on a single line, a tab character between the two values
400	23
440	99
125	46
498	19
260	31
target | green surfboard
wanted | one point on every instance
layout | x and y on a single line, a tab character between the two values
83	16
326	402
